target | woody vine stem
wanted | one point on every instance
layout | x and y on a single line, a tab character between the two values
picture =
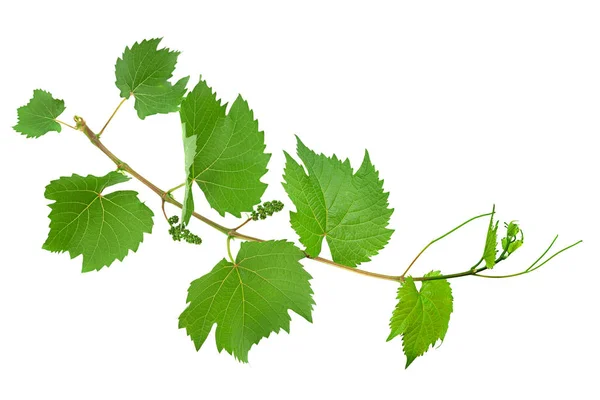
231	233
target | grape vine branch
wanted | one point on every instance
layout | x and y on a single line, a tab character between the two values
82	126
248	295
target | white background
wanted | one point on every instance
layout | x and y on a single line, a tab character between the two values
461	105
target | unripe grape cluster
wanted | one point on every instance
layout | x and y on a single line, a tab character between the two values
267	209
179	232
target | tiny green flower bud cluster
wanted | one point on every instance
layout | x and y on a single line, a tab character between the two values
267	209
179	232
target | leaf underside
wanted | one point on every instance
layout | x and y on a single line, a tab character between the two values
144	72
421	316
249	299
86	221
349	209
189	151
38	117
229	157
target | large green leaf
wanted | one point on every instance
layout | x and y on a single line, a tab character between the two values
38	117
144	72
250	298
86	221
349	209
421	316
229	157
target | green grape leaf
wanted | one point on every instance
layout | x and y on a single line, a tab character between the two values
38	117
491	242
86	221
250	298
512	229
514	246
230	154
144	72
349	209
421	316
189	151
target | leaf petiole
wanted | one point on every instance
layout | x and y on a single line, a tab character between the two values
65	124
229	249
242	224
175	188
111	117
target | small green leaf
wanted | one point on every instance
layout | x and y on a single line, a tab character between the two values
514	246
491	242
512	229
505	244
230	156
86	221
38	117
144	72
421	316
249	299
349	209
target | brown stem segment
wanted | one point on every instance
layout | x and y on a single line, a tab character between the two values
233	233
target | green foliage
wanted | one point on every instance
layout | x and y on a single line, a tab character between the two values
189	151
38	117
229	157
144	72
266	209
491	242
349	209
224	154
421	316
250	298
179	232
512	247
86	221
510	243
